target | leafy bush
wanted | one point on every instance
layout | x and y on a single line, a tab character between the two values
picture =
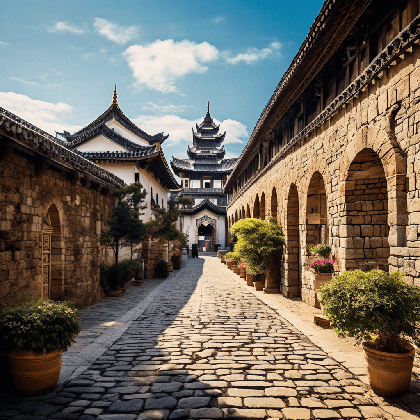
162	269
323	266
233	256
135	264
38	324
375	306
322	250
255	240
116	276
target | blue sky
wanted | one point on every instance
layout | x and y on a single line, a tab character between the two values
61	59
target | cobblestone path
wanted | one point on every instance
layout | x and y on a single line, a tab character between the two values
205	348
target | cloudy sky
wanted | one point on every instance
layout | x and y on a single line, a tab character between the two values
61	59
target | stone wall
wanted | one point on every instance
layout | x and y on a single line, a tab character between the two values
49	218
367	155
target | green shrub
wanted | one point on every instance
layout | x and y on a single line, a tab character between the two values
162	269
135	264
255	241
322	250
116	276
233	256
374	306
38	324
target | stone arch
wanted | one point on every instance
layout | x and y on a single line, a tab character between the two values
394	165
57	253
274	204
316	211
256	209
262	206
292	281
248	211
366	213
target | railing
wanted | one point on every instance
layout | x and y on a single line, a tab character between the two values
203	190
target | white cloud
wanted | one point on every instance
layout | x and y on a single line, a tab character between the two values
114	32
151	106
252	54
45	115
219	19
4	44
180	129
159	64
65	27
26	82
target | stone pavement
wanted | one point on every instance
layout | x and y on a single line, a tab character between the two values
203	345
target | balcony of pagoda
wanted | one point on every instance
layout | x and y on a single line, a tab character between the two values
203	190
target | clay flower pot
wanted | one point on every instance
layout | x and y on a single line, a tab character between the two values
259	285
389	373
250	278
242	273
34	374
236	270
230	264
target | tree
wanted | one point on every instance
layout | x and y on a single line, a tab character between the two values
255	240
163	225
124	226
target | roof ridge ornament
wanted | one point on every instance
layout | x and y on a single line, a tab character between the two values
208	107
114	98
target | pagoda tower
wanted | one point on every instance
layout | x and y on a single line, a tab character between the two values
203	176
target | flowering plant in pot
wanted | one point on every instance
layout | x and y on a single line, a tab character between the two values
383	311
232	259
33	334
323	250
323	266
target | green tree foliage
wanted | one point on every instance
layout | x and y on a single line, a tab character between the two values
254	240
124	226
164	221
375	306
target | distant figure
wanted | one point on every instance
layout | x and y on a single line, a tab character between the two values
188	251
194	251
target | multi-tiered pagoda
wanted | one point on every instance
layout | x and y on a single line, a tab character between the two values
203	176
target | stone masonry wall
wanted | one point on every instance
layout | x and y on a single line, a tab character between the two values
368	156
36	199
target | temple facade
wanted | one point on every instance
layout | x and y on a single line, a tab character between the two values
203	177
334	155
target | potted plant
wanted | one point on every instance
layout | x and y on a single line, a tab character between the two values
115	277
33	335
256	241
232	259
176	259
383	311
242	269
316	251
161	270
316	275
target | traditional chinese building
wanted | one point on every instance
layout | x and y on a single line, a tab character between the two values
116	144
203	177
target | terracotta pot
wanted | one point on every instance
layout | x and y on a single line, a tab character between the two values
250	278
389	373
259	285
242	273
170	267
236	270
320	279
229	264
177	262
34	374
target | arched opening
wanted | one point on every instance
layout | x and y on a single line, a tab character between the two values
57	281
248	211
236	216
292	257
366	210
256	210
206	234
262	206
274	203
316	211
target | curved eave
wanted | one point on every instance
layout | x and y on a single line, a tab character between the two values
328	31
114	111
205	205
111	135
